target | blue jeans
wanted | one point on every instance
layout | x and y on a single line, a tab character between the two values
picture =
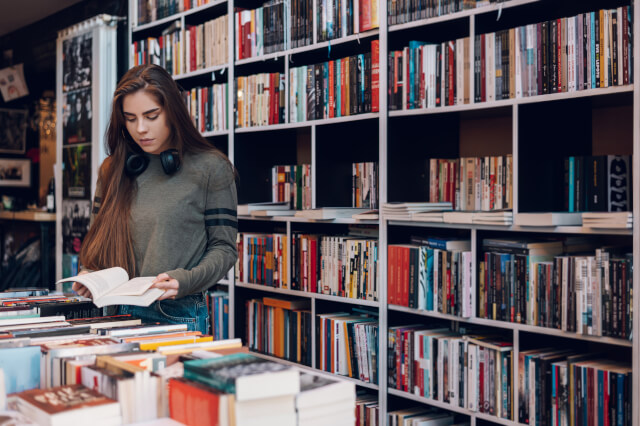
190	310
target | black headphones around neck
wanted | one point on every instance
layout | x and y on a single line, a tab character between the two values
136	163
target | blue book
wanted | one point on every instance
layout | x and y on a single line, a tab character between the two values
620	400
225	318
600	396
21	368
430	279
572	179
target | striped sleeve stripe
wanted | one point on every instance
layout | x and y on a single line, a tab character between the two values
215	212
221	222
95	210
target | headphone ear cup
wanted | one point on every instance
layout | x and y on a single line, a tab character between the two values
136	164
170	160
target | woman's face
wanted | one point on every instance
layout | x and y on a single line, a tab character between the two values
146	122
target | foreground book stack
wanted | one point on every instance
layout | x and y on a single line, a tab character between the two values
121	371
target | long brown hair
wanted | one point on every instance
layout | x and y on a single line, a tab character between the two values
108	242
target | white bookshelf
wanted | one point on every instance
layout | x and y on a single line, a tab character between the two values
384	120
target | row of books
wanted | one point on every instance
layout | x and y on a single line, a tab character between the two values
562	387
599	183
364	189
219	307
182	50
537	285
260	99
292	184
367	409
336	88
467	371
429	75
472	183
262	259
348	345
208	107
336	265
262	30
434	275
402	11
422	416
341	18
152	10
586	51
279	327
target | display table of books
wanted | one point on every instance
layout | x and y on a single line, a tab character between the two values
115	370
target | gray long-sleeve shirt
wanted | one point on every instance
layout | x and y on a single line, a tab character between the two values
185	224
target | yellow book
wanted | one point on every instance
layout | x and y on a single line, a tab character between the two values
602	47
152	346
202	346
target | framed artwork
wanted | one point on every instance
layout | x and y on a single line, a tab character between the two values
13	130
15	172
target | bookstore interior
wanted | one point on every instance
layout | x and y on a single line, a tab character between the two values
411	213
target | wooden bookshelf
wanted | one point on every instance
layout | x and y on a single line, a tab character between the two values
307	138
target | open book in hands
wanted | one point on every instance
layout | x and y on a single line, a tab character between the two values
113	287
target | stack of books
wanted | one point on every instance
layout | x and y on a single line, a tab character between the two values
610	220
405	211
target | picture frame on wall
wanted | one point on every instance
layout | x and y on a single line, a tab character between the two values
15	172
13	130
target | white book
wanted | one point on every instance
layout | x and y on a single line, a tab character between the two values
548	219
112	286
328	213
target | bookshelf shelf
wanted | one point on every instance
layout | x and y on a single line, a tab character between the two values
608	91
308	295
514	326
262	58
515	228
177	16
310	123
354	38
460	15
224	282
335	42
292	219
318	371
215	133
217	68
476	126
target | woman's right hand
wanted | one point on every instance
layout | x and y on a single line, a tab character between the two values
81	289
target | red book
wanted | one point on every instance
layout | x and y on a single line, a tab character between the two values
560	47
452	72
313	264
332	104
192	48
344	87
194	403
375	76
406	255
391	275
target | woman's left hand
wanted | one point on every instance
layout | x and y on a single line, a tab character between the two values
168	284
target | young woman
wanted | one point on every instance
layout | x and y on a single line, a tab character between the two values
165	203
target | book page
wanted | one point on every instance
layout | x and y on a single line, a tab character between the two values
101	282
133	287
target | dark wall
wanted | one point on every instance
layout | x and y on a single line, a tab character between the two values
35	46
